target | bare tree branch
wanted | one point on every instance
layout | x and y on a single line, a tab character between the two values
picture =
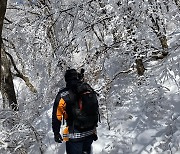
20	75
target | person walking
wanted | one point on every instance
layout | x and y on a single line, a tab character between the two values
76	104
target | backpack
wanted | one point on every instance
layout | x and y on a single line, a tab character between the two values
86	109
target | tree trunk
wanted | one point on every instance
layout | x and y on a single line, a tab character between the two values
6	80
140	66
7	85
3	4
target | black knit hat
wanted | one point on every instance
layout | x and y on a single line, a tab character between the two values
71	74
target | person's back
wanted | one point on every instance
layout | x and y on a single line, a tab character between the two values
70	105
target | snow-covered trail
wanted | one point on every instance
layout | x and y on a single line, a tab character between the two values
125	137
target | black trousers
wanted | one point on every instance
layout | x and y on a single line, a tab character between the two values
79	147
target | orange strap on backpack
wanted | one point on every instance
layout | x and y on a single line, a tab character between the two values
65	134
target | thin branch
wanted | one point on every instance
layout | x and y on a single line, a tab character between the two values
100	40
96	22
6	19
121	72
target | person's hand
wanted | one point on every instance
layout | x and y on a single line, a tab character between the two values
58	138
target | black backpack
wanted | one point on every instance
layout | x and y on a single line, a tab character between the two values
85	110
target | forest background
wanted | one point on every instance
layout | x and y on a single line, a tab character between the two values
130	50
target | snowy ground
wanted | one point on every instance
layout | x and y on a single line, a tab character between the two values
123	138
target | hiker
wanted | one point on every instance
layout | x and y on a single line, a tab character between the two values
78	106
